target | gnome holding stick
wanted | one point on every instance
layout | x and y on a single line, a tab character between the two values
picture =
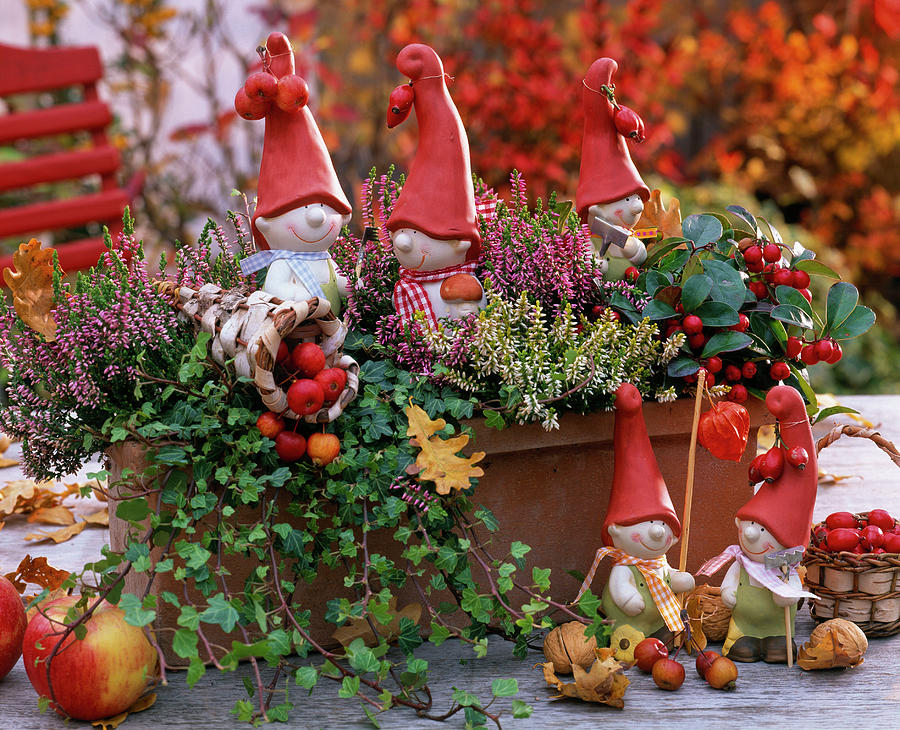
433	224
611	193
301	207
639	528
773	531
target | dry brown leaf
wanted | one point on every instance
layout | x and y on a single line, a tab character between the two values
827	478
12	492
835	644
5	443
31	283
100	517
438	458
58	536
604	683
4	462
668	220
58	515
111	723
37	571
359	628
25	496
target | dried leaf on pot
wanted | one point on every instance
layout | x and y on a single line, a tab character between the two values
604	683
31	283
834	644
438	459
38	572
667	220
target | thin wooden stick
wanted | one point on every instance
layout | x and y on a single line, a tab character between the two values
689	489
787	635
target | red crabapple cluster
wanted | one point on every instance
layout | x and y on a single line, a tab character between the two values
312	386
874	533
263	90
770	465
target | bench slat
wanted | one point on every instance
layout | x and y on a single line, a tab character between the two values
43	69
60	166
104	206
56	120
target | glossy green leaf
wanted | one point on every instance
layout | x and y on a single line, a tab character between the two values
659	250
726	342
694	291
728	285
504	687
817	268
789	295
860	321
842	299
681	366
792	315
655	280
701	229
798	379
833	411
775	236
745	215
717	314
656	310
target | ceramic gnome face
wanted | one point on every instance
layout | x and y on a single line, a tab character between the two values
313	227
649	539
417	251
756	541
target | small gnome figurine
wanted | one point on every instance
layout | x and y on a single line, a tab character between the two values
773	531
300	206
433	224
611	193
639	529
463	295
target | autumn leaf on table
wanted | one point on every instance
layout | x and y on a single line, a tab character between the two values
25	496
358	628
656	216
31	283
100	517
38	572
605	683
58	515
58	536
111	723
438	460
12	492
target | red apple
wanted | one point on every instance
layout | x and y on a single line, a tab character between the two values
12	626
333	381
308	358
290	446
283	353
840	519
323	448
270	424
648	652
292	93
95	677
705	660
305	396
873	537
668	674
891	543
261	85
250	108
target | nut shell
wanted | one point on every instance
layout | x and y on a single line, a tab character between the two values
567	645
836	643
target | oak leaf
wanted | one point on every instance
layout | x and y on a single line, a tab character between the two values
38	572
31	283
12	492
58	536
100	517
58	515
438	459
667	220
835	644
604	683
358	628
111	723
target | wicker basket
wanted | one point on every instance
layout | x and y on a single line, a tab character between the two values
249	329
862	588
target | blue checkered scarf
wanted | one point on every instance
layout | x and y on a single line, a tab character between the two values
296	260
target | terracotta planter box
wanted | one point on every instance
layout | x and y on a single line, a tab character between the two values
548	490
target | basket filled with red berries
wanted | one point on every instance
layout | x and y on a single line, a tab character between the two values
853	559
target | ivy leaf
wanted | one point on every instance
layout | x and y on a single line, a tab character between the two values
184	643
494	419
221	613
196	669
133	510
541	578
521	709
135	613
504	687
349	687
465	699
438	458
307	677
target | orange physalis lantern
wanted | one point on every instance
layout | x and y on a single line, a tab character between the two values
723	430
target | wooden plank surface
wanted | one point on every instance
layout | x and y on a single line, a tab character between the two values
766	695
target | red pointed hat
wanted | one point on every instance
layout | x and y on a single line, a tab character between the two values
438	197
639	492
296	168
785	507
607	172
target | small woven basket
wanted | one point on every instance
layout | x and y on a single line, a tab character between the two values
706	602
862	588
249	329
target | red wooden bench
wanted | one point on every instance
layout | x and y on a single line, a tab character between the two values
30	70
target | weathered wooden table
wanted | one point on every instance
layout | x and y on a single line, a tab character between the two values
766	695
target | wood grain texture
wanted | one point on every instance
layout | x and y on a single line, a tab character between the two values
767	695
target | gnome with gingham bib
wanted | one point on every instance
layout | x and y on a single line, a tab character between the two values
433	224
639	528
301	207
773	531
611	193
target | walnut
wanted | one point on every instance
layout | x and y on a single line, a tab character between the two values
567	645
836	643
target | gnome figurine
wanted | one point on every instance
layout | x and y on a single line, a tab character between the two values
639	529
433	224
773	531
611	193
301	207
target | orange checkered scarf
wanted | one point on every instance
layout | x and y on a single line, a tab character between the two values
662	595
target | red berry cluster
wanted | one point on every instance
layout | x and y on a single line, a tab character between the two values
771	465
312	386
764	258
876	532
263	89
822	350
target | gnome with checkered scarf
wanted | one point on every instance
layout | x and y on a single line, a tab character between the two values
639	528
773	532
301	207
433	224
